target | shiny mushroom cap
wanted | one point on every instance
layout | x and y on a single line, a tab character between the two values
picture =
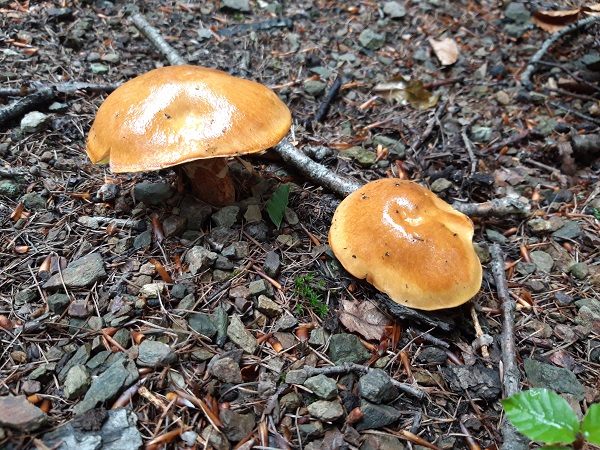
184	113
408	243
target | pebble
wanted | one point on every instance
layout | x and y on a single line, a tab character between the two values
80	273
589	314
579	270
239	335
478	380
376	416
236	5
441	185
253	214
236	251
18	413
226	217
98	68
9	188
226	370
272	264
560	380
34	121
268	307
542	260
199	259
394	10
153	193
315	87
570	230
326	410
322	386
376	386
371	40
347	348
517	12
155	353
236	426
195	211
77	382
58	303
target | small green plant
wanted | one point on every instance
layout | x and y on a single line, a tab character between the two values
544	416
306	289
277	203
597	213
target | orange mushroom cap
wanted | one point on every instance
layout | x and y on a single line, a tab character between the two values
408	243
178	114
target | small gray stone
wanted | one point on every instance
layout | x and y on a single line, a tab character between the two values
272	264
558	379
383	442
318	337
99	68
203	34
394	9
18	413
118	432
570	230
9	188
144	239
441	185
33	200
432	355
517	12
525	268
579	270
236	5
77	382
199	259
111	58
268	307
286	323
362	156
155	353
260	287
253	214
290	216
179	291
314	87
543	261
107	385
223	263
195	211
236	426
81	356
376	386
153	193
236	251
478	380
291	401
326	410
226	216
538	225
376	416
226	370
481	134
34	121
371	40
296	377
347	348
589	314
322	386
215	439
58	303
80	273
203	324
494	236
240	336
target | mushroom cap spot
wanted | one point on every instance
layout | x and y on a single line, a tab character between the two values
178	114
408	243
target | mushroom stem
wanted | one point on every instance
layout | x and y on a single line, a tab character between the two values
211	181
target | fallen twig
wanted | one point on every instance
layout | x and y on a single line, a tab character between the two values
352	367
25	104
321	113
96	222
64	88
498	207
11	172
535	59
430	318
511	378
154	36
514	139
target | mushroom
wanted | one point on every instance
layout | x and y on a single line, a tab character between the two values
408	243
189	116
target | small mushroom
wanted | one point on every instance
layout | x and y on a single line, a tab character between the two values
189	116
408	243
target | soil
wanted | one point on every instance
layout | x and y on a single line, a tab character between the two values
484	137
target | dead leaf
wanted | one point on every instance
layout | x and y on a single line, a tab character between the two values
552	21
446	50
405	91
363	318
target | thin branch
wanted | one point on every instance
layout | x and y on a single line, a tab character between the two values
511	379
154	36
64	88
498	207
316	172
533	62
25	104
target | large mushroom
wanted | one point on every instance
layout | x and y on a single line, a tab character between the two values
189	116
408	243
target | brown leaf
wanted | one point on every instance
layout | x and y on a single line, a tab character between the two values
552	21
446	50
407	92
363	318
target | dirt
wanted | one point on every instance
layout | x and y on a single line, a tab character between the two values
484	137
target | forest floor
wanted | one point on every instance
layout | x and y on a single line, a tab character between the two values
211	327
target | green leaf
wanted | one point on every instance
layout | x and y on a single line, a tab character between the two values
277	203
590	426
556	447
542	415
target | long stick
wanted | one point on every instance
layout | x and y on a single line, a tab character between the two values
154	36
511	379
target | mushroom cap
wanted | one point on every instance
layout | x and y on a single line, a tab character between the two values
408	243
177	114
